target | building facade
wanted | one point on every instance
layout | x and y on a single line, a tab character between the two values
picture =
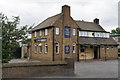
116	37
60	36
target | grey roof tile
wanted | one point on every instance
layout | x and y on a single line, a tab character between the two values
89	26
48	22
96	41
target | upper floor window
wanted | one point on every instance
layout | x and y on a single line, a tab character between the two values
46	48
97	34
46	31
40	33
57	31
74	48
74	32
40	48
107	35
57	48
84	33
35	34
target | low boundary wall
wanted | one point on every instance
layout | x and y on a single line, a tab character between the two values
38	69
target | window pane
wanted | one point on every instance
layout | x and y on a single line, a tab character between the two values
35	34
74	32
40	49
46	31
46	48
40	33
57	47
74	48
57	31
35	48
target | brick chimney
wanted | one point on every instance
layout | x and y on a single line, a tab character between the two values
66	10
96	20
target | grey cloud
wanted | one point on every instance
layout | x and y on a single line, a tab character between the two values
35	11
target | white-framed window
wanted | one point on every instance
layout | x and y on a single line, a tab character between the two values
84	33
107	35
35	48
46	48
101	34
97	34
79	33
57	31
57	48
35	34
40	33
46	31
74	31
40	48
104	35
74	48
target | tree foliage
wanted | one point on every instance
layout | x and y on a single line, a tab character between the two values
115	31
11	34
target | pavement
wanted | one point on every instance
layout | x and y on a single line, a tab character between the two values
23	60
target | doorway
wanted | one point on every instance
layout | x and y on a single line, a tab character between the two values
95	52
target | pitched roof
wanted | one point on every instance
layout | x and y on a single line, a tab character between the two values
97	41
89	26
48	22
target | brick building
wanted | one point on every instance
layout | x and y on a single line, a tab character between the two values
116	37
60	36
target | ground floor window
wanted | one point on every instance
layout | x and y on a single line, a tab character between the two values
46	48
57	48
118	50
74	48
82	49
40	48
35	48
112	47
107	47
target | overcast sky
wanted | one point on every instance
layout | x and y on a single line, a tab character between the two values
35	11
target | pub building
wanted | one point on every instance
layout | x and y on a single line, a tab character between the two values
60	36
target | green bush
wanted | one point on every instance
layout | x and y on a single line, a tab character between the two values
5	60
25	55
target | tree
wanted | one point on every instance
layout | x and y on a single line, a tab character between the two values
12	35
115	31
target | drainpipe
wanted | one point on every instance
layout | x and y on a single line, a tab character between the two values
105	53
53	43
99	52
78	44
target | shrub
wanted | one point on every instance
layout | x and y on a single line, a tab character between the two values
5	60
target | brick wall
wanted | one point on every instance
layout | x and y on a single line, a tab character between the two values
111	53
28	70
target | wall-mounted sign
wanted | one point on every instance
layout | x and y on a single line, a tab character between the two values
67	49
40	40
67	32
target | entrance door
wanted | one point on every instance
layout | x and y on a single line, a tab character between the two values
95	52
